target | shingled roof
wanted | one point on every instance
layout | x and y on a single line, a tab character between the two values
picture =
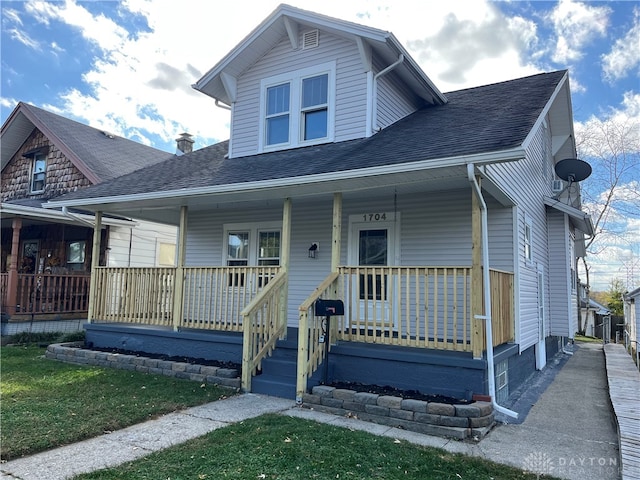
99	155
491	118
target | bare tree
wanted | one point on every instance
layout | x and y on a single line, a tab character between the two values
612	194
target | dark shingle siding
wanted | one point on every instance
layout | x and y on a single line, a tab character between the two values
107	158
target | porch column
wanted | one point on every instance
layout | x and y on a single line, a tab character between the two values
178	286
336	243
95	262
476	277
285	256
12	280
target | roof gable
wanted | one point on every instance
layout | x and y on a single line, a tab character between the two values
287	21
99	155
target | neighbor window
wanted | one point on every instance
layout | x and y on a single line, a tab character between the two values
76	254
297	107
38	173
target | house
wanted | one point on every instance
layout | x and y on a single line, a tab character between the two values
435	222
632	323
593	315
46	253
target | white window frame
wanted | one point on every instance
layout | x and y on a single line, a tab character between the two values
36	158
253	230
296	113
528	240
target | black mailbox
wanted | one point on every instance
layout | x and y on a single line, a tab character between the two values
328	308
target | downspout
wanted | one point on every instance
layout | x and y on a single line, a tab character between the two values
486	279
374	110
67	213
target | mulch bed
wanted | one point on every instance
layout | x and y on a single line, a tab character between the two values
159	356
395	392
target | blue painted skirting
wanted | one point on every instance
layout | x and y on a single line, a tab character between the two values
222	346
454	374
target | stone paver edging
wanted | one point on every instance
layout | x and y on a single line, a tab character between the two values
73	353
472	421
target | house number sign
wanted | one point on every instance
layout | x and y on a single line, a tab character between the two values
377	217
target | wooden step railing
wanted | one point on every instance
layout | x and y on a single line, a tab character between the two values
264	322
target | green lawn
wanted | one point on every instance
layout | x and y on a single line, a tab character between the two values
46	403
279	447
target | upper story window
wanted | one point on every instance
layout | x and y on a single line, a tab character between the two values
297	108
38	173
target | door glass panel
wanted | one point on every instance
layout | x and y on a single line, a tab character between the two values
372	251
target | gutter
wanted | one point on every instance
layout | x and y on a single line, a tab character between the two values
487	293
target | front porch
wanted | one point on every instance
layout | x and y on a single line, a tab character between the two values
400	311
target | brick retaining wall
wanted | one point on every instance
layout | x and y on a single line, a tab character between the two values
73	353
464	422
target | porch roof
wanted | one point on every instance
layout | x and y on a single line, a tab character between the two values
479	125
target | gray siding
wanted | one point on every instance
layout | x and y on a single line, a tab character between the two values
395	101
351	89
560	312
434	230
525	182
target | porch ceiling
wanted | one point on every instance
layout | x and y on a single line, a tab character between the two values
165	207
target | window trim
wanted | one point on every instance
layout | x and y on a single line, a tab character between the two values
253	229
296	112
38	156
528	239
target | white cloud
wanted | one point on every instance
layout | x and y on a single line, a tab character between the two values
22	37
576	24
624	56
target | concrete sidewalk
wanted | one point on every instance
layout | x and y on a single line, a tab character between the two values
566	429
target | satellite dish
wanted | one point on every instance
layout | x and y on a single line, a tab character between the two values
573	170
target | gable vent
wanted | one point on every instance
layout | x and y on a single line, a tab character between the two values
310	39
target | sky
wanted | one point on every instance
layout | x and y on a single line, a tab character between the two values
127	67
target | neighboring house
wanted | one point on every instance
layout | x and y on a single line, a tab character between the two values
593	317
632	323
46	253
349	176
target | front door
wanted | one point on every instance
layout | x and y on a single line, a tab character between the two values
372	245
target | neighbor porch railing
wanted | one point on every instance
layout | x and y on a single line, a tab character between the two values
41	294
423	307
264	321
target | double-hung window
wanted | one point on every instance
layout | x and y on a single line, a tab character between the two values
297	108
38	173
252	245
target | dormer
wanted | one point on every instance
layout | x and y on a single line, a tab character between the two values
303	79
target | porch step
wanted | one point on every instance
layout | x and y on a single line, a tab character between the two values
279	371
